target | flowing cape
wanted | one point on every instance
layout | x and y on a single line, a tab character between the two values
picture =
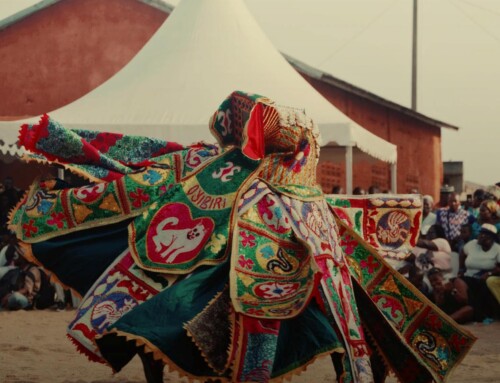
223	268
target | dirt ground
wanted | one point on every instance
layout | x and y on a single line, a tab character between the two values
34	349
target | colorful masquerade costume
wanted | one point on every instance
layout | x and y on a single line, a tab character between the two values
230	264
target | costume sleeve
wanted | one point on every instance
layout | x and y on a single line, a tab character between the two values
91	154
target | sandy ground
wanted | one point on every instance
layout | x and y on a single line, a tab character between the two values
34	348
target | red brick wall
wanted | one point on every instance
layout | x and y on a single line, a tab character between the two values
419	144
60	53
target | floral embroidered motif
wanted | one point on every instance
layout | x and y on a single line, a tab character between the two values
29	228
57	219
248	240
245	263
369	264
139	197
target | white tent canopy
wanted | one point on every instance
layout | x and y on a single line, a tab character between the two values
205	50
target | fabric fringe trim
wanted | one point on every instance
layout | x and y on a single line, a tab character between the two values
83	350
301	369
149	348
23	133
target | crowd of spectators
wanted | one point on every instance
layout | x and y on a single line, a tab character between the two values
23	285
456	262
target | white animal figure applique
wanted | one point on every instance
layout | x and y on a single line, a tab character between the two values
111	312
171	242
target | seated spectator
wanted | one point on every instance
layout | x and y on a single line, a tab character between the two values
373	189
11	278
451	296
428	216
337	189
487	214
416	277
465	236
358	190
477	198
433	251
479	260
451	218
32	290
7	255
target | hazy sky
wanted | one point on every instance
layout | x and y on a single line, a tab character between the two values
368	43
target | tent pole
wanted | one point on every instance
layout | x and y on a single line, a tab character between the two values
394	178
348	169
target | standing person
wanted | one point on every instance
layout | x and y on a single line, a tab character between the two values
479	260
451	218
428	215
223	264
477	198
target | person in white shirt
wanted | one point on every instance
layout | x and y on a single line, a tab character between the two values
480	260
428	216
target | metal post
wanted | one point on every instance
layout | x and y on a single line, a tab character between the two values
348	169
414	59
394	178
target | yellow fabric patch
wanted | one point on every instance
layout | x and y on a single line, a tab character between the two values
109	203
81	212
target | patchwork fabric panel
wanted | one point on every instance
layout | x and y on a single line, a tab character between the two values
430	335
389	223
49	213
121	288
45	212
272	274
190	225
229	124
282	243
254	357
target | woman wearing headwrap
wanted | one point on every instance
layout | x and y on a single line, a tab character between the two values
480	260
488	213
224	265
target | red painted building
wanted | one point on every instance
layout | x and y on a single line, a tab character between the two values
57	51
